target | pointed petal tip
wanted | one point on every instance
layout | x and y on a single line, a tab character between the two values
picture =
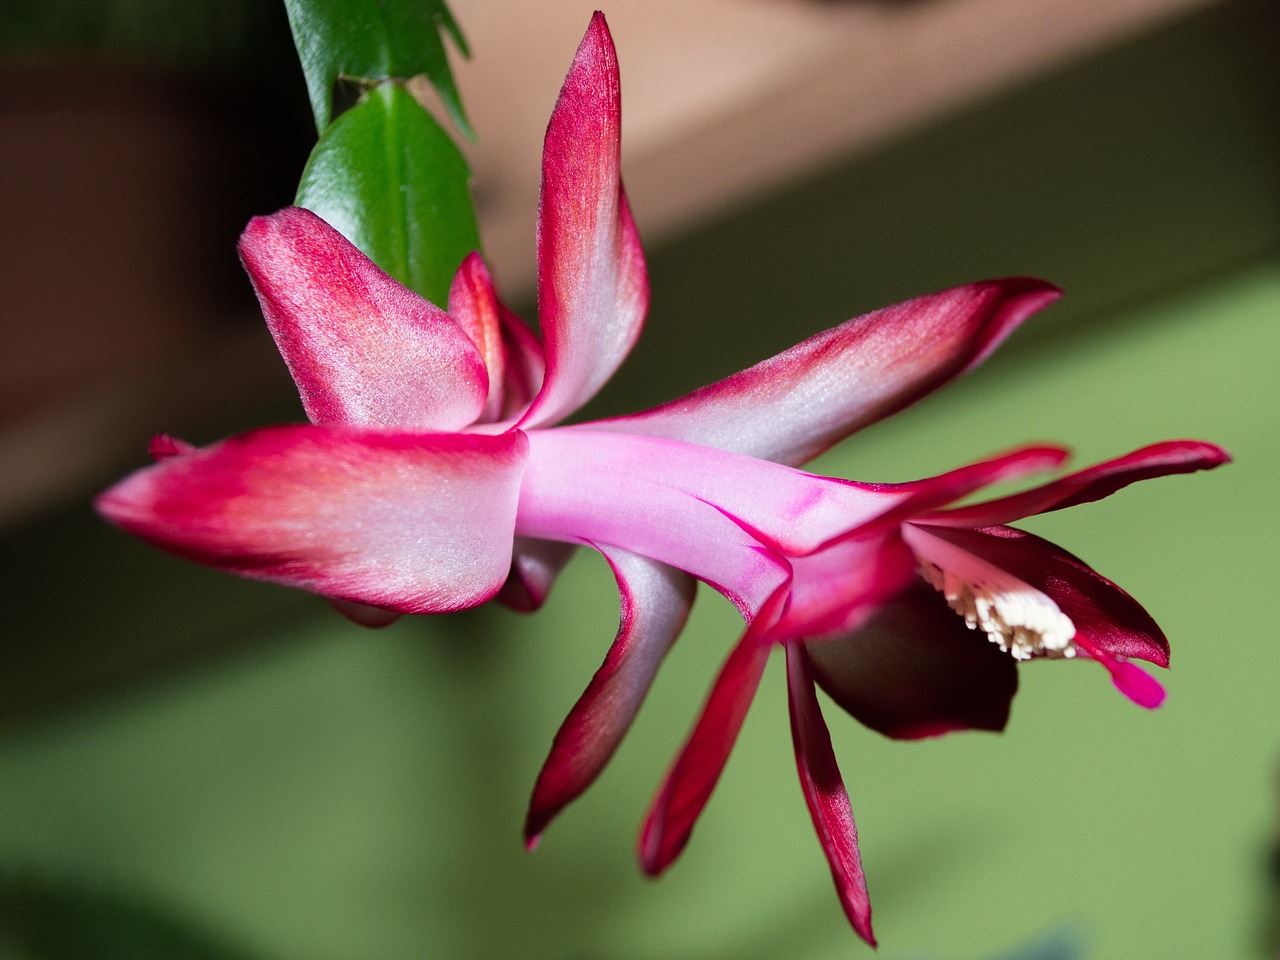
1031	286
163	445
538	818
651	854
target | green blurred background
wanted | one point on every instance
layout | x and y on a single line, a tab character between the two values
225	769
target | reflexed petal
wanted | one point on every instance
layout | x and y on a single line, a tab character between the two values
689	783
419	523
1092	483
655	604
795	405
362	348
825	794
915	670
592	287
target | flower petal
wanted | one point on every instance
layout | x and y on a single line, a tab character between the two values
825	794
535	564
473	305
617	474
163	446
512	354
655	605
915	670
1103	614
835	590
693	508
1093	483
416	523
795	405
362	348
693	776
593	290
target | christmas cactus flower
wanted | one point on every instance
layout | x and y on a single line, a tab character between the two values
434	476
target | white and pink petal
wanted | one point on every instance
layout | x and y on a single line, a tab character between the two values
412	523
363	349
793	406
593	289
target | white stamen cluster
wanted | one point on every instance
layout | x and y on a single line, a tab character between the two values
1019	619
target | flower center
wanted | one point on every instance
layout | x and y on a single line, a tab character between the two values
1018	618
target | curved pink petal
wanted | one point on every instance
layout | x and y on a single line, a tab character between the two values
1092	483
655	605
795	405
690	507
619	479
825	794
593	290
512	354
417	523
362	348
689	783
915	670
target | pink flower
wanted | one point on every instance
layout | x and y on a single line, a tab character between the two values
433	477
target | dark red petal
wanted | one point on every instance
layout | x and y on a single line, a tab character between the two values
915	670
1092	483
689	783
825	794
1105	617
655	605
